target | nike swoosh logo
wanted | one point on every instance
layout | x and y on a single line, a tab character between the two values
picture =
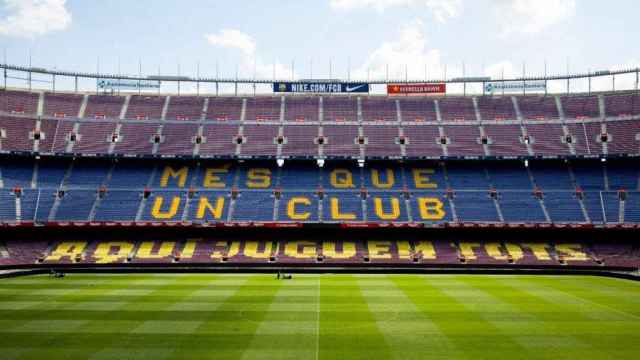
350	89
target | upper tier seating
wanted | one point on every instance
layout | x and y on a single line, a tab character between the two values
497	108
62	105
104	107
142	107
302	109
365	126
185	108
577	107
18	102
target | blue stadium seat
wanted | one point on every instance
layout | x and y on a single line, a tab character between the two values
509	176
40	205
593	201
130	175
16	173
520	207
589	176
622	176
475	206
76	205
118	205
88	174
467	176
300	176
7	206
551	175
632	207
51	173
28	202
254	205
611	206
563	207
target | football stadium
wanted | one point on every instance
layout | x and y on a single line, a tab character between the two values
403	209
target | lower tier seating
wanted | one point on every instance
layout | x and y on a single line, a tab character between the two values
407	250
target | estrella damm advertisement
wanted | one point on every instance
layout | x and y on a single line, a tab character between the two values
414	89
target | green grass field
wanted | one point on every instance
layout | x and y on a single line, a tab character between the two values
319	317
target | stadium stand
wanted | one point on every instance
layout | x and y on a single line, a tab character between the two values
521	160
544	192
366	127
278	252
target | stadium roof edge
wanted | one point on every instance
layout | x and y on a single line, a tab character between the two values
175	78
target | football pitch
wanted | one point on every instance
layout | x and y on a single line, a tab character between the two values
216	316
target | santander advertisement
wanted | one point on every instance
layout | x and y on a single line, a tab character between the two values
416	89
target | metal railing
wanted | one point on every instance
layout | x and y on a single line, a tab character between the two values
53	75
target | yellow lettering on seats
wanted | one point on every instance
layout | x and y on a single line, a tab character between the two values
539	250
514	250
335	211
431	208
145	251
111	252
375	179
157	211
228	249
379	208
329	249
341	179
291	208
572	252
251	249
426	249
258	178
67	249
205	206
422	180
404	249
169	172
292	249
494	250
379	249
189	248
212	178
466	249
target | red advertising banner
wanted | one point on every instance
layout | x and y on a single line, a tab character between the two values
414	89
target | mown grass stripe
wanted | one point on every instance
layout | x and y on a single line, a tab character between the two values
588	302
546	330
403	325
238	334
348	334
286	328
606	329
466	327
